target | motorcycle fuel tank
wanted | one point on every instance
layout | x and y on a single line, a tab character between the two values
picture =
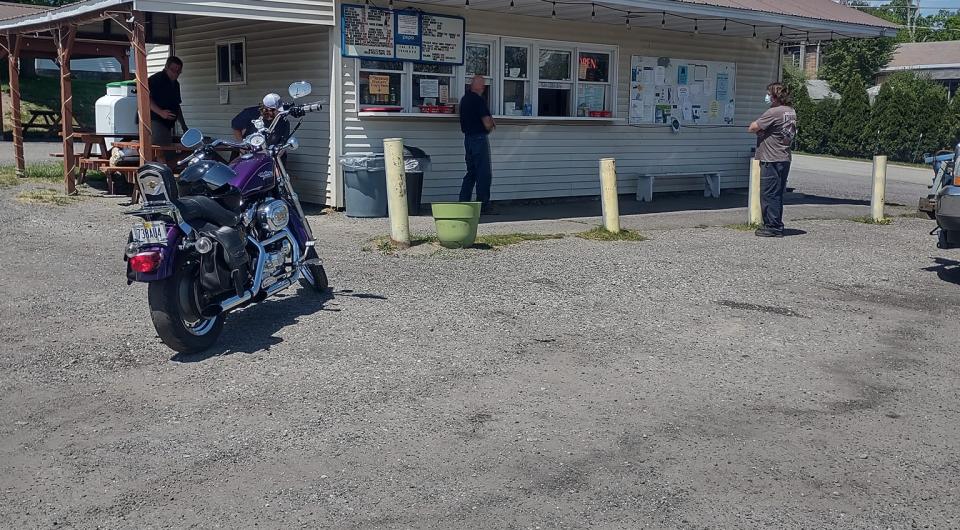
255	173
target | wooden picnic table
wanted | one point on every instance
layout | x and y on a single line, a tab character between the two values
50	121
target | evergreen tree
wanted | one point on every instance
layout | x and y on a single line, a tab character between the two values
848	133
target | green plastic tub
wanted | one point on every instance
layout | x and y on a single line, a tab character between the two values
456	223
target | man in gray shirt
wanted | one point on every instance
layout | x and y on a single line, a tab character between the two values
775	131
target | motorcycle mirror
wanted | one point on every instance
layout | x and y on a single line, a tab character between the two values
191	138
293	144
300	89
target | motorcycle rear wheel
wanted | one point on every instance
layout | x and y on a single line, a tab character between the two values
175	305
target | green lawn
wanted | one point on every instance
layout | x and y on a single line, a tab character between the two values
43	93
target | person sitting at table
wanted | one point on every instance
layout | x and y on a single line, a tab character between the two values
267	110
165	102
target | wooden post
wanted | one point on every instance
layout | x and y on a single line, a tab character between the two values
124	60
878	197
397	192
755	214
13	49
609	198
138	40
64	37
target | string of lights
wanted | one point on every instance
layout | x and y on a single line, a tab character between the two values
786	32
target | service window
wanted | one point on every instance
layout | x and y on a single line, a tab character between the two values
478	60
516	79
381	83
594	89
232	62
555	88
433	85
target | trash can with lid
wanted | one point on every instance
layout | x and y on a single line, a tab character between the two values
365	180
416	162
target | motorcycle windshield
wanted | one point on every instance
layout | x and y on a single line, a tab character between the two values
214	174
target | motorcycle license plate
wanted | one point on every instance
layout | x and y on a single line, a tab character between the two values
150	233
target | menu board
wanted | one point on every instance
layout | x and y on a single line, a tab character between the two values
368	32
443	39
405	35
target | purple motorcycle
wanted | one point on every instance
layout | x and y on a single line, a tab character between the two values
221	236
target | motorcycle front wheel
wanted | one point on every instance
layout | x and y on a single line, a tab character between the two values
175	305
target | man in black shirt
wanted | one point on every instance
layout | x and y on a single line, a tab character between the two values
242	123
165	102
476	123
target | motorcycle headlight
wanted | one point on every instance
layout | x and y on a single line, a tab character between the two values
257	140
274	215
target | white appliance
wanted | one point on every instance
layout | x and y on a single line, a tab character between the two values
117	112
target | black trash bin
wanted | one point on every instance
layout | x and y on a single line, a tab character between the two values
416	162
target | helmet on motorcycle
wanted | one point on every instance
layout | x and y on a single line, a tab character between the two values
272	101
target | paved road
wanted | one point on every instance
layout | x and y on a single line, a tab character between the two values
845	179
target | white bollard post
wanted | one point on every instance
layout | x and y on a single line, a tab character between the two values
608	195
879	187
755	216
397	192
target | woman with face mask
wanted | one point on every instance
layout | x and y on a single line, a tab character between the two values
775	131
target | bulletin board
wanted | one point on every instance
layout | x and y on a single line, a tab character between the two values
693	91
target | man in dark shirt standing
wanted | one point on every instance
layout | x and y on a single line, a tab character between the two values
165	102
476	123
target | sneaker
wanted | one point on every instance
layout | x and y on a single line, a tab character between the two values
488	210
767	232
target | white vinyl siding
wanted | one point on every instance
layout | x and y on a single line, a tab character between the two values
540	158
156	57
295	11
277	55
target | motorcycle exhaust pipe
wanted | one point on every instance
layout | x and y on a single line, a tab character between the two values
213	310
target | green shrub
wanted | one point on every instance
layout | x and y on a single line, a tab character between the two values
849	127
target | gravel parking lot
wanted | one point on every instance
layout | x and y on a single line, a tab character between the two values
701	379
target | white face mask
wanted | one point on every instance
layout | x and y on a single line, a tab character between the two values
767	99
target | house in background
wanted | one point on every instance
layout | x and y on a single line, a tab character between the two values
804	56
940	61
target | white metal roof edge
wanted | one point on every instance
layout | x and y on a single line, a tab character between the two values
60	13
920	67
794	21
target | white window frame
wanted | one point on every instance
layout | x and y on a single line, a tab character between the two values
229	44
496	79
533	71
493	90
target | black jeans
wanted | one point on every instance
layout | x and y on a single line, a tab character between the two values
773	182
479	173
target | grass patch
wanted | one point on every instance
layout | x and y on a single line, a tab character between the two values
49	172
488	242
602	234
503	240
43	93
46	196
871	221
915	215
744	227
385	244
